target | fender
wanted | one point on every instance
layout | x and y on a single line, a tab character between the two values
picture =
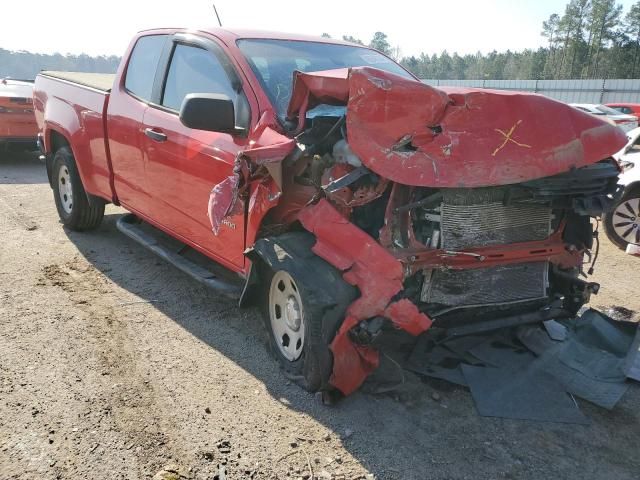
286	252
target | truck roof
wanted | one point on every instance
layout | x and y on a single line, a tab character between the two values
230	35
104	81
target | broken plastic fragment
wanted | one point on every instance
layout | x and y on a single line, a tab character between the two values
224	201
376	273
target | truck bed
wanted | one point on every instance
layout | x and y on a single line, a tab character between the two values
97	81
76	105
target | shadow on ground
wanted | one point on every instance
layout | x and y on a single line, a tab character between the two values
21	167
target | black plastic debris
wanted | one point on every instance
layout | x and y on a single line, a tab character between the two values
556	330
525	394
632	362
500	351
532	372
436	361
590	363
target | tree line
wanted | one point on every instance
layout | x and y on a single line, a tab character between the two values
590	39
26	65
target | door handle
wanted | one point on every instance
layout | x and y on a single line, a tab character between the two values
154	134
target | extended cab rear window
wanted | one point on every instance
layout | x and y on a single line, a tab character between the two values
142	66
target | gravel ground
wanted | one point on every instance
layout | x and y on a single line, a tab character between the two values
115	365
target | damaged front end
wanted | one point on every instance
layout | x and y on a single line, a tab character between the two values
452	211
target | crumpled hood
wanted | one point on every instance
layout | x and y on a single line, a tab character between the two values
418	135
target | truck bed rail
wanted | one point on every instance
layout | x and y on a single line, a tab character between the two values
97	81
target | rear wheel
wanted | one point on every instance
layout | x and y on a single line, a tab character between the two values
71	199
622	222
304	302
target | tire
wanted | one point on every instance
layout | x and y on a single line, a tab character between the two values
312	298
71	200
622	222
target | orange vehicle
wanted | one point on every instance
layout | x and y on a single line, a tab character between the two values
627	108
17	120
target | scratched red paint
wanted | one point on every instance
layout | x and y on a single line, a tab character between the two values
455	137
267	147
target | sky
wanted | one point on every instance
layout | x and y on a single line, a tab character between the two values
105	28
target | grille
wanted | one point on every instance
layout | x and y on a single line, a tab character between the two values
501	284
466	226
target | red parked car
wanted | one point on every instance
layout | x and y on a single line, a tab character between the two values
626	108
17	122
353	201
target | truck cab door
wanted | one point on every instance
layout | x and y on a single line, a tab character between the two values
184	164
127	103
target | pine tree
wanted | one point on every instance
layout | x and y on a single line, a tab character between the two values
603	19
380	43
631	28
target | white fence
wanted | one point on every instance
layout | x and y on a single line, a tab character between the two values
571	91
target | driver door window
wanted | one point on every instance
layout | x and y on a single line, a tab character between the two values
194	70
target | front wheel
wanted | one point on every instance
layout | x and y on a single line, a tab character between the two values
71	199
304	303
622	222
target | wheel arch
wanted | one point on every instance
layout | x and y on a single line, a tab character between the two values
54	141
286	251
631	188
630	191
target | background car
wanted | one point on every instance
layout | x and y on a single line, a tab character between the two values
627	108
622	120
17	121
622	222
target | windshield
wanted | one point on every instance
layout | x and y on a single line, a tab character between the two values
273	62
607	110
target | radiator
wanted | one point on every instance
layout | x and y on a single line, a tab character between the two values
501	284
465	226
479	217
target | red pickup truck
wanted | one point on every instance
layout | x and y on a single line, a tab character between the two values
355	202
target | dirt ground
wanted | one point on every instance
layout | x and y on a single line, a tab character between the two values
114	365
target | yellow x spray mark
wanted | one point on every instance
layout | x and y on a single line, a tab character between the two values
507	138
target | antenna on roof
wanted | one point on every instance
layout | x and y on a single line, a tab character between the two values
217	16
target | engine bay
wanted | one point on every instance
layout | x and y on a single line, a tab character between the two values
453	223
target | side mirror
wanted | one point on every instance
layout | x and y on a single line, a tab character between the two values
209	111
